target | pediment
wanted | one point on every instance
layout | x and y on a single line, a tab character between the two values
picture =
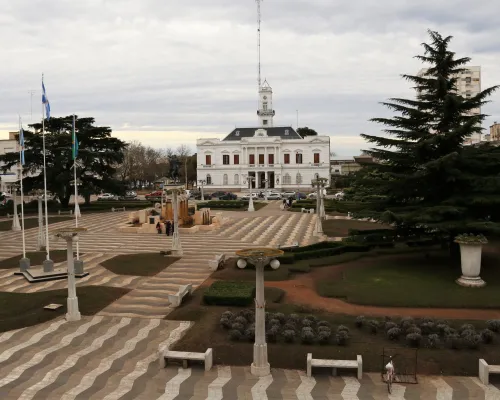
207	143
317	141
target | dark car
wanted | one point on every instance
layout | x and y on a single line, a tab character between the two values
223	196
300	196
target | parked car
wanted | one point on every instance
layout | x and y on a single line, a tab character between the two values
339	195
106	196
300	196
246	196
154	196
311	195
195	195
274	196
288	193
223	196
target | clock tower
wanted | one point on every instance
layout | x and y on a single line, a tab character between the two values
265	111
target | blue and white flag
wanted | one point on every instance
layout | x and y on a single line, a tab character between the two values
21	144
45	100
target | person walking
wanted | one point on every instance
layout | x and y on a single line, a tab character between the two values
168	227
158	228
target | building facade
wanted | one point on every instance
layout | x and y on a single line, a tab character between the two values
9	145
468	85
495	132
278	155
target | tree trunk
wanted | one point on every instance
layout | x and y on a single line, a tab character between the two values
65	202
86	196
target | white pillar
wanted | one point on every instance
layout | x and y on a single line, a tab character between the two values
16	226
250	201
73	313
41	234
265	156
260	365
176	240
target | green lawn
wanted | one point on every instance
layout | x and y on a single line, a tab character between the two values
36	258
18	310
412	280
140	264
32	222
340	227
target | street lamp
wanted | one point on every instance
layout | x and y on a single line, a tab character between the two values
250	201
266	185
78	264
41	235
259	257
70	234
176	239
319	184
202	183
16	226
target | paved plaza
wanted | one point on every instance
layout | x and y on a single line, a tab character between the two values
113	355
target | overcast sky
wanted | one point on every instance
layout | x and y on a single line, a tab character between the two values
167	72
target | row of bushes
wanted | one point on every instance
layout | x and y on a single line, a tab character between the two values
236	204
227	293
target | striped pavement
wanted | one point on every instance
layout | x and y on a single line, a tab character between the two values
111	358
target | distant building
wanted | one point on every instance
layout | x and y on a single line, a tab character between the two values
468	85
495	132
346	166
9	145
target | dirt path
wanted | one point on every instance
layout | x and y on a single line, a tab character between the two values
301	291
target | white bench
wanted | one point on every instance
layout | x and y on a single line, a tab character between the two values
485	370
334	364
70	212
219	260
113	209
311	211
185	356
11	216
176	299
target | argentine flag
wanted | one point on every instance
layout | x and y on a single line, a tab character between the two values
21	144
45	100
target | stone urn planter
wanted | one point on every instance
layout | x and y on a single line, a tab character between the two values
471	247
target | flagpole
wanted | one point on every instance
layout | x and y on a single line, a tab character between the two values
45	183
77	207
22	194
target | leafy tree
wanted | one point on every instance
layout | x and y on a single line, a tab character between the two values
98	157
306	132
426	179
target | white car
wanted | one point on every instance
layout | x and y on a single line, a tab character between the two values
339	195
247	196
311	195
288	194
274	196
106	196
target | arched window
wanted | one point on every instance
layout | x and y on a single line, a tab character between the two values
298	178
236	179
209	179
224	179
287	179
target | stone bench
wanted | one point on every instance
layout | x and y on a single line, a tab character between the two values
485	370
176	299
334	364
70	212
113	209
219	260
185	356
311	211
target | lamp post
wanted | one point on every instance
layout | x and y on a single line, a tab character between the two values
250	201
266	185
16	226
176	239
202	183
259	257
70	235
78	264
319	184
41	235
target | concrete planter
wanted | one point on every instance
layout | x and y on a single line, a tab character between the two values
470	257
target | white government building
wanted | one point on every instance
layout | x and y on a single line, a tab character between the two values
276	154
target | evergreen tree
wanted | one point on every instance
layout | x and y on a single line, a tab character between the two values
426	180
99	155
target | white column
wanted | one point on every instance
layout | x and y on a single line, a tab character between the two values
73	313
265	156
260	365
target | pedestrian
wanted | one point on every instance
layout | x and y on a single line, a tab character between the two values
168	226
284	204
172	227
158	228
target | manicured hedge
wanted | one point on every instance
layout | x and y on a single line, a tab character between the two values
326	249
227	293
236	204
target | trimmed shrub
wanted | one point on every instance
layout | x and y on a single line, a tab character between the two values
235	335
241	320
394	333
414	339
341	338
250	334
306	329
433	341
307	337
487	336
360	321
390	325
323	323
323	328
238	327
427	328
373	324
225	323
294	317
442	329
227	293
406	322
248	314
468	332
466	327
493	325
343	328
289	326
272	334
289	335
324	337
306	322
228	315
312	318
472	341
454	341
273	322
414	329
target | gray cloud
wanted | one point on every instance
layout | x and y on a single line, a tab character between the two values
152	66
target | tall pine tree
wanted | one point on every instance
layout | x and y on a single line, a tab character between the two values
427	180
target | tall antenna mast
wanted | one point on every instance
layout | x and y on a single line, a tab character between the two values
258	37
